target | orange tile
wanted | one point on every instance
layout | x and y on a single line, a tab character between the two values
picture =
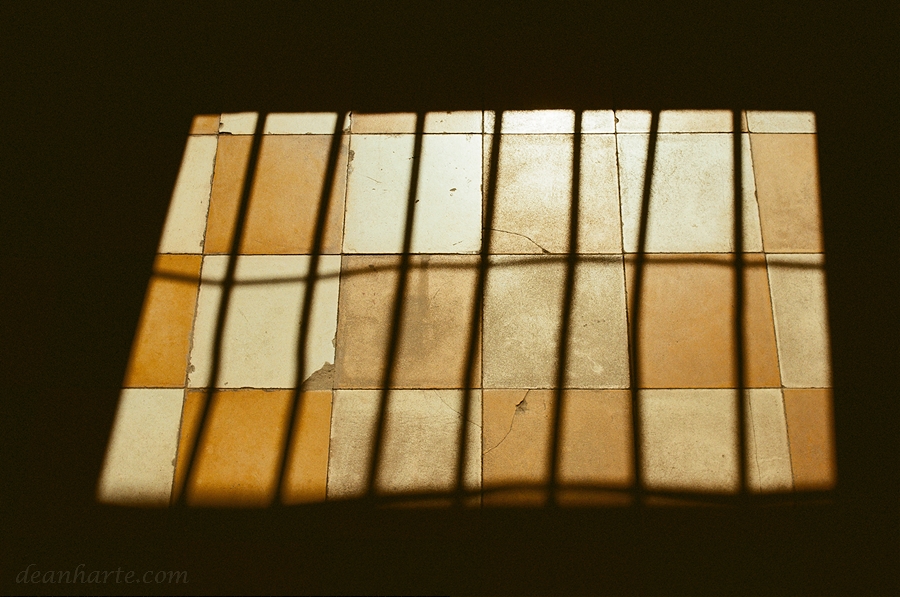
232	155
687	322
787	186
205	124
162	341
595	456
810	424
238	456
437	312
284	203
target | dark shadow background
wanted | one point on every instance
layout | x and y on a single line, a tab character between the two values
97	99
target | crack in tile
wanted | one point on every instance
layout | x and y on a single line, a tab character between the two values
453	409
521	407
546	252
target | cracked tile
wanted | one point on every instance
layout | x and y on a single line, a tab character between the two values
532	207
687	322
437	312
691	195
159	355
447	216
810	424
523	307
689	440
261	332
787	183
420	448
799	301
140	457
186	218
284	203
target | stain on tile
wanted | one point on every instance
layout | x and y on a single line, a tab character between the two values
140	457
437	311
420	447
522	318
787	183
159	355
533	202
687	322
810	424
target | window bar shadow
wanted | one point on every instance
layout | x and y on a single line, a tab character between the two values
393	347
228	283
305	323
739	344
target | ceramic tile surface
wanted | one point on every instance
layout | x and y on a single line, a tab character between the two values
380	404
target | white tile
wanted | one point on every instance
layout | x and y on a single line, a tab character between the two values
453	122
186	221
598	121
532	204
447	216
523	310
239	123
691	196
303	123
263	321
675	121
140	457
532	121
690	440
781	122
420	447
799	306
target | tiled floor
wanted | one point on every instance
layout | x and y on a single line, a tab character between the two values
384	408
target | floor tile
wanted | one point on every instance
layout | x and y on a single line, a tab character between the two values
522	322
159	355
140	458
801	319
303	123
437	313
687	322
787	186
405	122
810	423
533	200
239	123
205	124
675	121
232	156
691	196
532	121
689	440
308	458
420	447
186	219
261	331
594	449
237	457
447	217
781	122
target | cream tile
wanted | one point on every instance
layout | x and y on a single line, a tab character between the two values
186	220
801	319
768	452
263	323
140	457
675	121
434	338
239	123
781	122
420	447
692	193
598	121
453	122
303	123
522	322
533	201
448	200
532	121
383	123
689	440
